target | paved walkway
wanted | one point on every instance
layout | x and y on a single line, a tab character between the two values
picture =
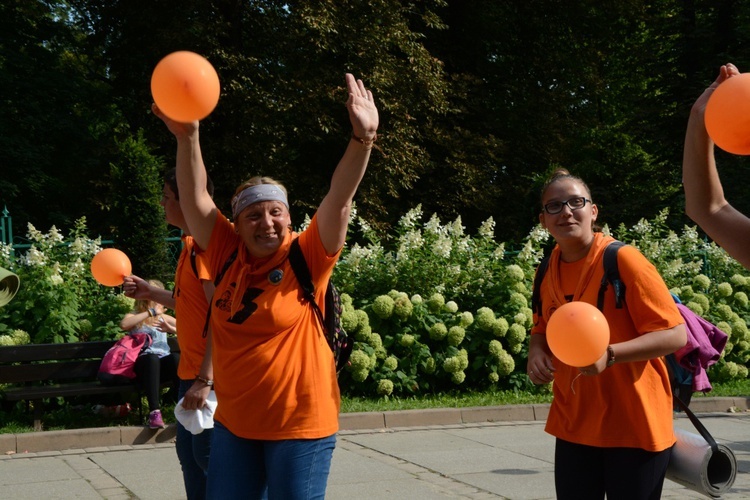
474	460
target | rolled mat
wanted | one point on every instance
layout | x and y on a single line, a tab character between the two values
698	462
695	465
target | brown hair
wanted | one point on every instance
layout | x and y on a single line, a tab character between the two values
559	175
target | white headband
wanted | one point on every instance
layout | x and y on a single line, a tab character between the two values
254	194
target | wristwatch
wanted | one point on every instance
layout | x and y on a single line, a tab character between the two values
206	381
610	356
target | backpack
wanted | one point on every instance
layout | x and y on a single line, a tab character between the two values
338	340
611	275
118	363
340	343
680	378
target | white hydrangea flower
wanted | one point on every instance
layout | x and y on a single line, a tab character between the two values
442	247
487	229
642	228
412	240
539	234
356	255
55	236
463	245
411	218
77	246
499	253
5	252
33	233
433	226
305	223
455	228
364	226
690	235
78	267
34	257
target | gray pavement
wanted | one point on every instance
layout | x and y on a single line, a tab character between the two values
480	453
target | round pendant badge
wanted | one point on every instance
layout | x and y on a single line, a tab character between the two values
275	276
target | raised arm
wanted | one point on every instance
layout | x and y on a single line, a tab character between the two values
196	203
334	210
704	195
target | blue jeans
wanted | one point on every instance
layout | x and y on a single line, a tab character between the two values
290	469
192	452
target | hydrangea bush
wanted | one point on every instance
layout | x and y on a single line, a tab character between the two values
705	279
436	309
58	300
430	307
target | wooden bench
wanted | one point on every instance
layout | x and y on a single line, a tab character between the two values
39	371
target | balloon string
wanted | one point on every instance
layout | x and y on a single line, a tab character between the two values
573	382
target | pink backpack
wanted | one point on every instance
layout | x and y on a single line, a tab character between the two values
118	362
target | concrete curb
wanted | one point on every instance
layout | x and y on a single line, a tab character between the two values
105	438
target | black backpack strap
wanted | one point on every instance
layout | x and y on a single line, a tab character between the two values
611	275
536	296
302	272
193	264
218	279
698	425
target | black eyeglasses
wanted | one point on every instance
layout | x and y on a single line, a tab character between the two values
555	207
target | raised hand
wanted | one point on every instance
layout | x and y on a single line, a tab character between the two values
362	111
726	71
179	129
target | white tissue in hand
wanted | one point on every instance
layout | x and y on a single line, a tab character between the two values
197	420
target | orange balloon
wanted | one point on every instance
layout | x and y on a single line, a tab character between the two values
185	86
727	115
578	334
110	267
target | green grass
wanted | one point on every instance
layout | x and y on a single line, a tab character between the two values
453	400
82	415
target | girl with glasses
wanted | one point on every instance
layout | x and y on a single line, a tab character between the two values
612	419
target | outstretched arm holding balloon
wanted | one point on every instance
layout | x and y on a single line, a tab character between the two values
196	202
138	288
648	346
704	195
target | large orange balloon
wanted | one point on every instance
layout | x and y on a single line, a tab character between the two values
185	86
578	334
727	115
110	267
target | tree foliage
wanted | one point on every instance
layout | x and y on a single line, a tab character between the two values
479	101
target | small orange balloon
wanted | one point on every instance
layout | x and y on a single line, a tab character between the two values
110	267
578	334
185	86
727	115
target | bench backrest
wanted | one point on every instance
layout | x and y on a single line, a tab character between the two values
55	362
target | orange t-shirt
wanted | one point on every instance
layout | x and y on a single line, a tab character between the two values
191	308
274	372
629	404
